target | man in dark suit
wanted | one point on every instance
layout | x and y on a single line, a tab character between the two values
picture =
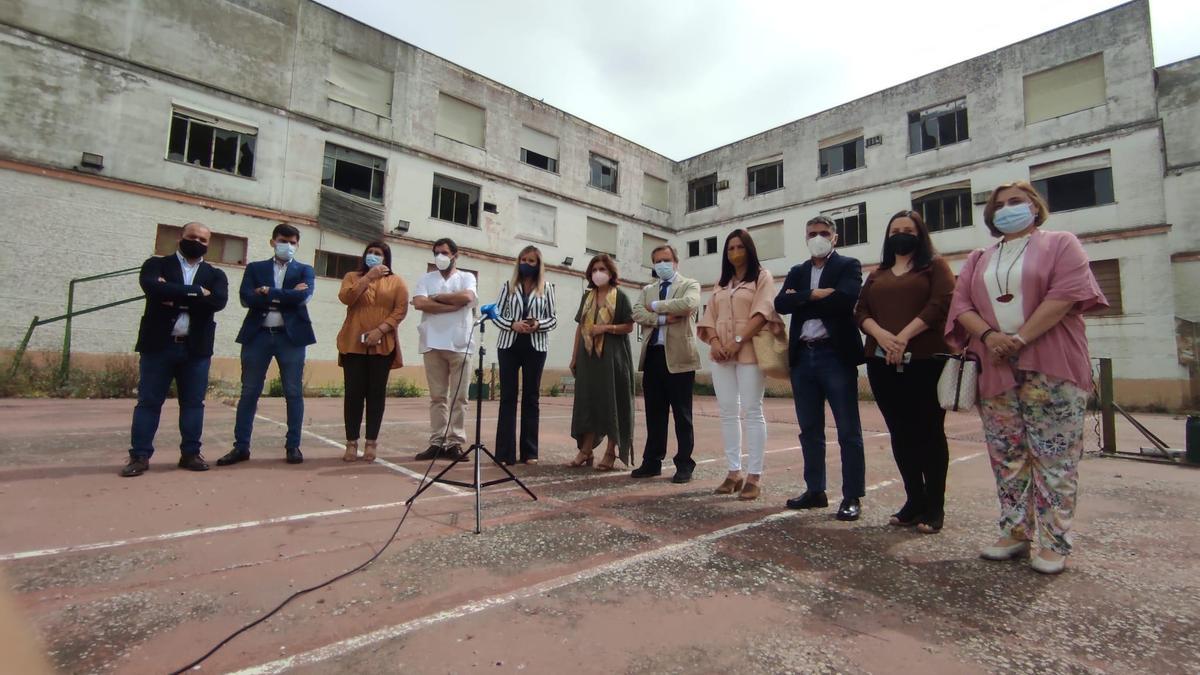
175	341
825	352
276	294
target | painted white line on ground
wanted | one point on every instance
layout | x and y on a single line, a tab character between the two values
343	647
408	422
381	462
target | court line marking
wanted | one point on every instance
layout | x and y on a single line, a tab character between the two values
407	422
349	645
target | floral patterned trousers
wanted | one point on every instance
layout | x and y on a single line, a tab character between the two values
1035	441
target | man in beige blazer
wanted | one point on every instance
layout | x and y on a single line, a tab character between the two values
666	309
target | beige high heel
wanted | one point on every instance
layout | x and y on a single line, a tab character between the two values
729	486
582	459
609	461
369	451
351	454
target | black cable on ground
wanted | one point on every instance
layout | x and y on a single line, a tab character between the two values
360	566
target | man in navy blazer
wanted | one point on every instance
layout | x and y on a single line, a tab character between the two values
175	342
824	354
275	293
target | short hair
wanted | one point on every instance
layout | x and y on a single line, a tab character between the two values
821	220
387	256
283	229
665	247
609	265
183	230
925	251
448	242
1039	204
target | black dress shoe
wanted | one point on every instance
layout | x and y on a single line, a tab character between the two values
849	510
136	467
644	471
682	477
294	456
193	462
454	452
233	457
428	454
809	500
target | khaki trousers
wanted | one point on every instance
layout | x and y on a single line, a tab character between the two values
448	374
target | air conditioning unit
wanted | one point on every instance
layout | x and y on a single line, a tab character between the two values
980	197
722	185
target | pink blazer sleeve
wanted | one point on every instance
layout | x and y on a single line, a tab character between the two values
961	303
1071	277
764	299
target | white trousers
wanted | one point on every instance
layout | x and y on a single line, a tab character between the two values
740	389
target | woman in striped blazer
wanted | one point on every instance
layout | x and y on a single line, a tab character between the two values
525	313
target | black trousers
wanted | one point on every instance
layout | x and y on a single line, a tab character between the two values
520	361
366	377
667	393
916	421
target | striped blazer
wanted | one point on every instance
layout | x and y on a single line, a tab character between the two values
515	305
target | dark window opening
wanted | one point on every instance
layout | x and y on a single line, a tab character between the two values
335	265
710	245
851	225
540	161
1077	190
842	157
355	173
455	201
694	248
933	128
603	173
702	192
947	210
764	178
212	147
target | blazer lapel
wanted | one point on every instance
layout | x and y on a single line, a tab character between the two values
172	269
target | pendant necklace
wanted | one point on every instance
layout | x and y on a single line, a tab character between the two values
1006	296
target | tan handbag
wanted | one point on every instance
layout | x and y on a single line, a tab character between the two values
771	351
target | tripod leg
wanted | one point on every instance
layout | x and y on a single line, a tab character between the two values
503	468
428	484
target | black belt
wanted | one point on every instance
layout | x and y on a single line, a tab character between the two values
813	344
275	329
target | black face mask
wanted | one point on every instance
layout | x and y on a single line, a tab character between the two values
192	249
903	243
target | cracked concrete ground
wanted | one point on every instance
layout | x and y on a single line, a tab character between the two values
602	574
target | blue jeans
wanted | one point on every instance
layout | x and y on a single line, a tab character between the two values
256	358
819	375
155	372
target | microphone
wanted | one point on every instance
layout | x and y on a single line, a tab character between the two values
488	311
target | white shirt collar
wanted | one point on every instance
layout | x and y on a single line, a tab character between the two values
184	261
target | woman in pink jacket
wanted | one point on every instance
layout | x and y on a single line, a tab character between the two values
1019	305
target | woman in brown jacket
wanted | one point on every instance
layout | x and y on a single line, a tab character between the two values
902	309
376	302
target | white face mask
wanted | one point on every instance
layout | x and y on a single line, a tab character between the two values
600	278
442	262
819	246
664	270
285	250
1013	219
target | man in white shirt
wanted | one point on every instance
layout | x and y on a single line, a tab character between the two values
446	298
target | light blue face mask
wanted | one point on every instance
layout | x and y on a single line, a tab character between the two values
664	270
1013	219
372	260
285	250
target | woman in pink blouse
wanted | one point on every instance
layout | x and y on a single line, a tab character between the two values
1019	305
742	304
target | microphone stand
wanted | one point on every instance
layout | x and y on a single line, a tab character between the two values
477	484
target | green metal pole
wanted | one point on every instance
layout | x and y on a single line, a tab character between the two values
64	368
17	357
1108	416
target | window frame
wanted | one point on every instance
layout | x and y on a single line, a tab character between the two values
376	172
955	107
860	157
175	230
597	161
963	197
751	180
693	187
1043	187
715	248
694	245
321	259
214	122
839	224
550	161
436	200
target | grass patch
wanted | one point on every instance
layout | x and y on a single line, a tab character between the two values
118	378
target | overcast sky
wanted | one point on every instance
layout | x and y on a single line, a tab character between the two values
681	77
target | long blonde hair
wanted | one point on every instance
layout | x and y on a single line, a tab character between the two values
539	288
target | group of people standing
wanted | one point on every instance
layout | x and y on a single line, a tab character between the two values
1017	305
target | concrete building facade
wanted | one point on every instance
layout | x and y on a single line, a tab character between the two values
126	119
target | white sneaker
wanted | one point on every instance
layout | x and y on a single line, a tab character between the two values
1040	564
1005	552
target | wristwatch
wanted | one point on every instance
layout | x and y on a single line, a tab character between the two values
737	339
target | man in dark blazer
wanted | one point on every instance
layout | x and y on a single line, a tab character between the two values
825	352
175	342
276	294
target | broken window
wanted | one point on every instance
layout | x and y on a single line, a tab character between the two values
850	223
539	149
212	143
1077	190
455	201
944	209
222	248
764	178
694	248
355	173
937	126
840	157
335	265
710	245
702	192
603	172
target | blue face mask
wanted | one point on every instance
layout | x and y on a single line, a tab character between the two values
527	271
1013	219
372	260
664	270
284	250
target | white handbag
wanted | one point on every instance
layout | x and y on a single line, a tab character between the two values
959	381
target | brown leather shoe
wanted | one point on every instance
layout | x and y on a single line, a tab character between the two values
136	467
749	492
193	463
728	486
